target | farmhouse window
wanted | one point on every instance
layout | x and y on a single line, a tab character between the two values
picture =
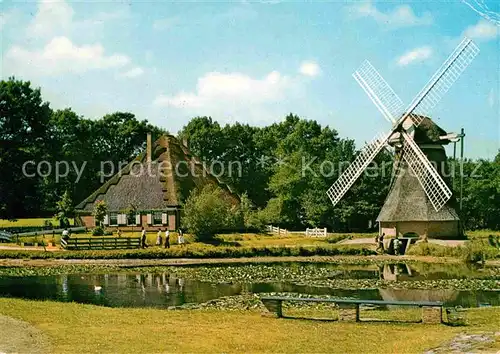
157	219
131	219
113	219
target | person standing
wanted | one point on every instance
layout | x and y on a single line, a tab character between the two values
381	242
179	237
158	238
65	234
143	238
397	245
167	238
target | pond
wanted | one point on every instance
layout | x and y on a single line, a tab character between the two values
174	286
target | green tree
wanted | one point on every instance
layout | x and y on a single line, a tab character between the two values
65	209
207	212
24	137
131	213
99	212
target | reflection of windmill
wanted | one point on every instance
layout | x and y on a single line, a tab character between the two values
424	210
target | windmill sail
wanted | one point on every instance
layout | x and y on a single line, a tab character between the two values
391	106
441	81
379	91
436	189
354	170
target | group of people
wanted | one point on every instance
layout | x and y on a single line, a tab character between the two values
159	239
379	240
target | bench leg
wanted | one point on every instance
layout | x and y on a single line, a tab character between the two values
432	315
349	312
279	309
274	306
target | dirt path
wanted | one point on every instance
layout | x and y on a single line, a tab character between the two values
468	343
21	337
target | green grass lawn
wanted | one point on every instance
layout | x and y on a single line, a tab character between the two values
77	328
243	239
29	222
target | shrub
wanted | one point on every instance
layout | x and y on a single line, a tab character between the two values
474	251
336	238
207	212
98	231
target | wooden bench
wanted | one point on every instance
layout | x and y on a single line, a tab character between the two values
432	312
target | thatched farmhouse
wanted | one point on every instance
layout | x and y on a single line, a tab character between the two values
150	190
407	209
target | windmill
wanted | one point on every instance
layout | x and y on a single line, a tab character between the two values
419	199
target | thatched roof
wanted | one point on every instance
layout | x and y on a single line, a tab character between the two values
407	200
429	132
164	182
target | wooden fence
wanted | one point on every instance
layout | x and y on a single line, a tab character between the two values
277	230
316	232
309	232
101	243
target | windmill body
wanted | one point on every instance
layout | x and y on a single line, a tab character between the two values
420	199
407	208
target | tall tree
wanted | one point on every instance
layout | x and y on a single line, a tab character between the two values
24	137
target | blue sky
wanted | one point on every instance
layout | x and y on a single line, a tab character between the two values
253	62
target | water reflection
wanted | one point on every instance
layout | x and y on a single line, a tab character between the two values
165	289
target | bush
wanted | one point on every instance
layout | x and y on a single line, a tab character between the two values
208	212
98	231
478	251
474	251
337	238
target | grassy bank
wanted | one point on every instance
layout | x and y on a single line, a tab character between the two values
29	222
75	328
192	251
234	239
475	250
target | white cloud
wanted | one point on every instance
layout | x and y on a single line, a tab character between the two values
483	30
233	95
310	68
134	72
52	17
400	16
216	87
56	18
59	56
415	55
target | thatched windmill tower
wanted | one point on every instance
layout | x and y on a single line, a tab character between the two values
407	209
420	200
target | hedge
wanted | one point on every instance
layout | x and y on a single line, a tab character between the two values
189	252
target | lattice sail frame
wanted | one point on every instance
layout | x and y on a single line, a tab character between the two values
442	80
436	189
390	105
354	170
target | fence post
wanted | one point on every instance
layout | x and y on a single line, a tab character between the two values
278	230
325	231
